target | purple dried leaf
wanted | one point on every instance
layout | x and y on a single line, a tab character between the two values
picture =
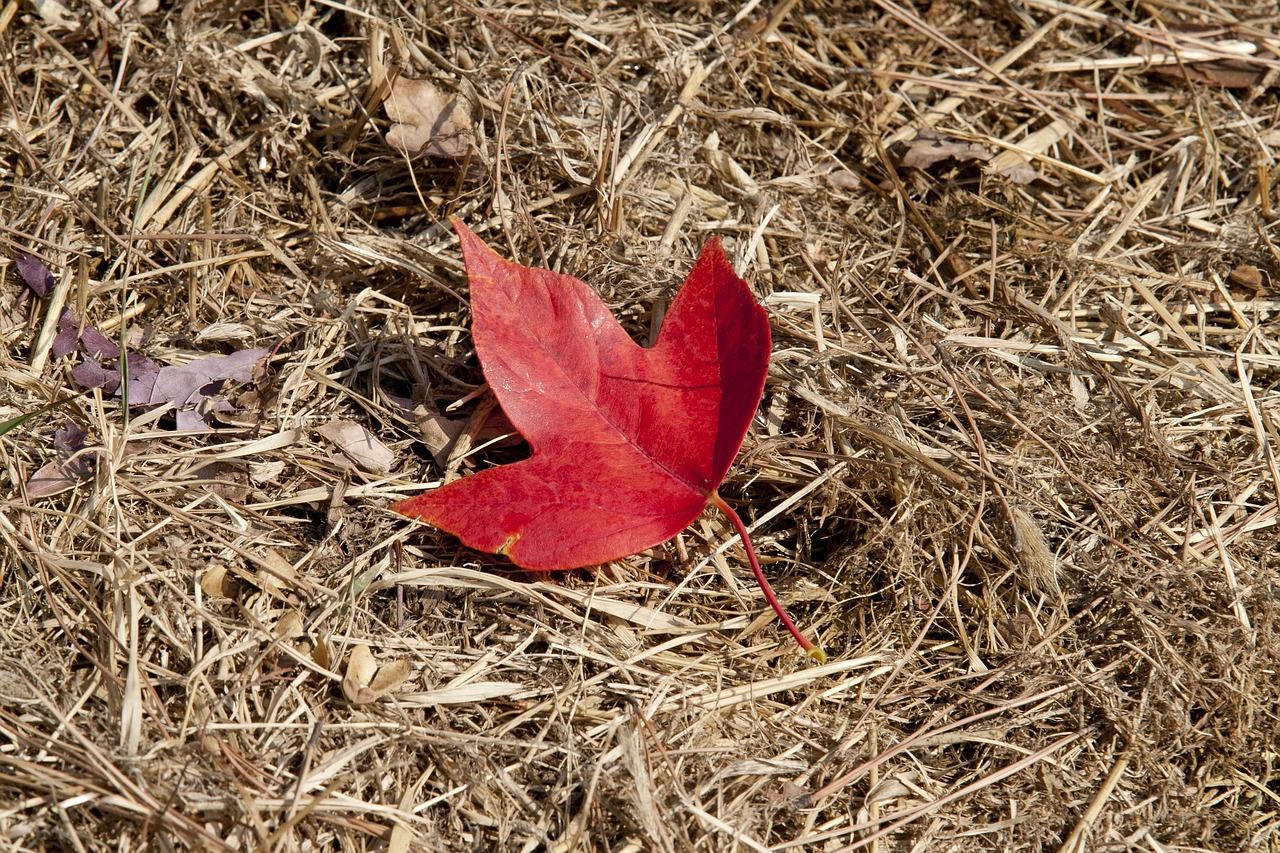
239	366
91	374
36	275
189	383
73	334
142	379
68	337
69	438
98	345
160	387
189	420
68	443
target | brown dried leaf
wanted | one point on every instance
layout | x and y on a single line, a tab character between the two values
227	478
1025	173
366	682
793	797
427	120
391	676
887	790
278	577
360	669
289	626
322	654
50	480
1248	277
930	147
437	432
1224	73
216	583
359	445
843	179
73	464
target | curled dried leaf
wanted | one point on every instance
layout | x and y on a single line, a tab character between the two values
366	682
322	654
290	625
277	576
217	583
438	433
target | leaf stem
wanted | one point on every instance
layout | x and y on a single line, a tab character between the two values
810	649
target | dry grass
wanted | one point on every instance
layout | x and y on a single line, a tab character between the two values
1024	451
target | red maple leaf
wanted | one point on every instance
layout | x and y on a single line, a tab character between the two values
628	443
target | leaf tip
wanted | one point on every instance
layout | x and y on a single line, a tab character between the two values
817	654
405	507
465	235
473	247
713	252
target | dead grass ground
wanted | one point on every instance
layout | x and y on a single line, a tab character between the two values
1021	425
